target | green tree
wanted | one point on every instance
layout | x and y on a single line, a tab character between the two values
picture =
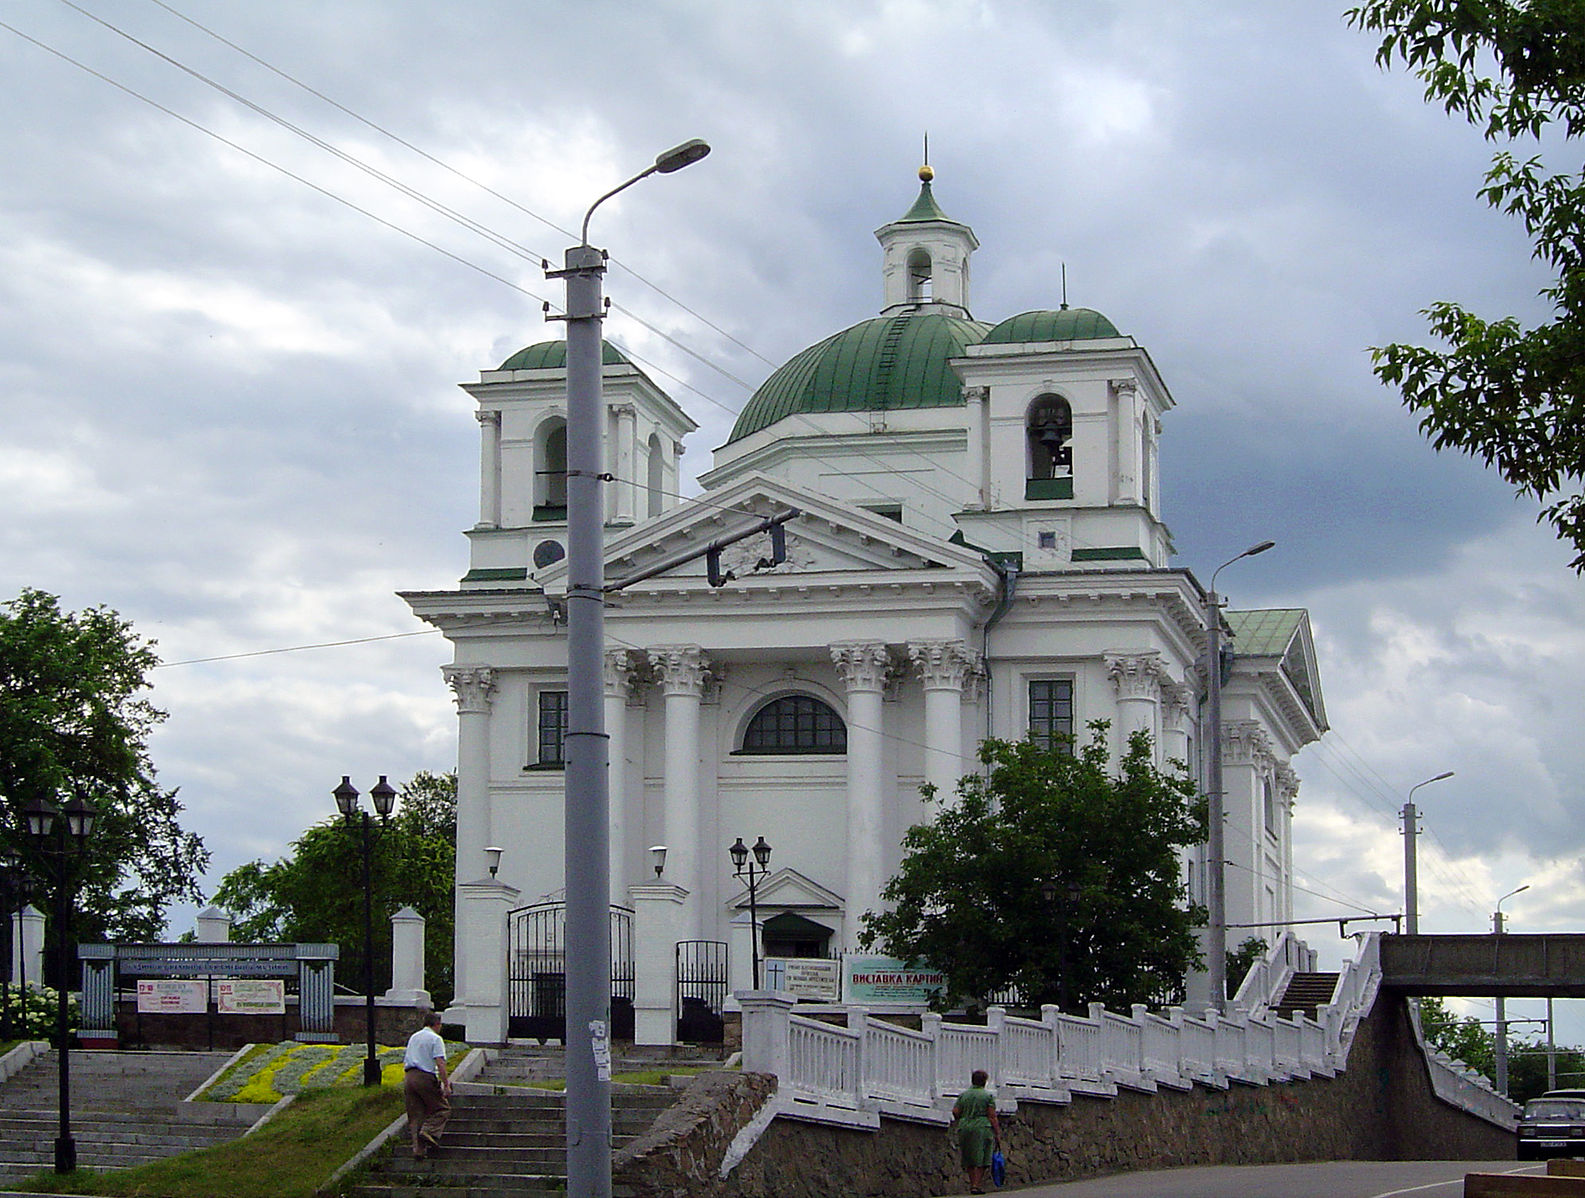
74	721
315	893
1461	1037
1511	396
969	896
1241	959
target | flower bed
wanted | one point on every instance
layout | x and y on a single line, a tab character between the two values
269	1073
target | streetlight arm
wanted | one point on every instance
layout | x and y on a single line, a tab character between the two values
644	174
674	159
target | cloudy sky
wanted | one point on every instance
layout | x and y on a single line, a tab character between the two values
228	355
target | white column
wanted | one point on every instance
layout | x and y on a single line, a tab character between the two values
623	507
681	670
474	688
1138	678
407	960
943	666
481	1005
1125	439
489	469
1287	792
1246	759
659	917
979	460
862	667
30	947
618	677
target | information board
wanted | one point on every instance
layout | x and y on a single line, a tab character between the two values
250	996
883	981
814	978
159	996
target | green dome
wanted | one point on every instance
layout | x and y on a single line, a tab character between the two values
885	364
552	355
1065	324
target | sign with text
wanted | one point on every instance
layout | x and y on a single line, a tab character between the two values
163	997
882	981
814	978
250	996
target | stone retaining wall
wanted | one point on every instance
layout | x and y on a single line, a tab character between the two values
1380	1108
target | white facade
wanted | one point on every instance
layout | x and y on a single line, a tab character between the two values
979	549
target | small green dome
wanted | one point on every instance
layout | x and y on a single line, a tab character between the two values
884	364
552	355
1064	324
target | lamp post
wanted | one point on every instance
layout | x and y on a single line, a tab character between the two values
587	803
1502	1003
383	795
59	837
745	868
1048	891
1411	888
1216	845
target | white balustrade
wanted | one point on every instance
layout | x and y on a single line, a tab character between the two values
1026	1052
1081	1047
899	1063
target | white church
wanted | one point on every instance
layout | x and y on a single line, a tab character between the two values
979	550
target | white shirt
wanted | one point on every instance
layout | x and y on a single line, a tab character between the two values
422	1049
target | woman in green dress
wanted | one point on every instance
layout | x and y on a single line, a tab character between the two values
977	1128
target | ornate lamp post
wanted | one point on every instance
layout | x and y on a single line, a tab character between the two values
383	795
752	872
59	837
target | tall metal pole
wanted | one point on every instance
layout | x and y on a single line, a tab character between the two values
1502	1004
1411	884
587	802
587	795
1216	840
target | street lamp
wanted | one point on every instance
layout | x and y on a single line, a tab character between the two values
59	837
1048	891
587	803
1216	846
745	868
383	795
1502	1003
1411	888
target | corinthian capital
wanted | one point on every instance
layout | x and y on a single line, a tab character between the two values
473	687
1246	742
862	665
1137	675
680	669
943	665
618	672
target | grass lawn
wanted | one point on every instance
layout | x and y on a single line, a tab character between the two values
289	1157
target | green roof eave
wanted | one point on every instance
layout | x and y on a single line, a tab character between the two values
925	208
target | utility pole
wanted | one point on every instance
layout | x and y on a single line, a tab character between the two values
1411	829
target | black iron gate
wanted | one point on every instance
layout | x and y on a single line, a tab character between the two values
702	986
536	972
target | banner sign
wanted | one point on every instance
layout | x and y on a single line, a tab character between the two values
250	996
813	978
172	998
883	981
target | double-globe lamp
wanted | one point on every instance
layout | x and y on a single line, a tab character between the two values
383	795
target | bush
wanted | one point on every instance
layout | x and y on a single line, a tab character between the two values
38	1010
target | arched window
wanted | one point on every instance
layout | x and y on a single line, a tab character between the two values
795	724
657	476
1050	436
921	279
1269	808
550	472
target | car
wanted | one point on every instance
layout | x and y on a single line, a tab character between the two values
1552	1125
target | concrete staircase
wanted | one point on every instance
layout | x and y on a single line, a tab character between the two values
1306	992
505	1139
126	1109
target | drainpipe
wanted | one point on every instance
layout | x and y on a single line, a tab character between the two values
1008	573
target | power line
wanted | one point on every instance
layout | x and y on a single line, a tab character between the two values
361	640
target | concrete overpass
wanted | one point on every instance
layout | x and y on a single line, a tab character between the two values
1511	965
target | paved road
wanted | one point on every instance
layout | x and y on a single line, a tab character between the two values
1327	1179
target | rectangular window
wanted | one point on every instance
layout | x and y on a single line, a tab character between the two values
1051	713
552	728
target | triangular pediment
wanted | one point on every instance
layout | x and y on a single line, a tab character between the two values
827	538
788	890
1280	641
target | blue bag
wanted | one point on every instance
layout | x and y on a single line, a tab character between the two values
998	1167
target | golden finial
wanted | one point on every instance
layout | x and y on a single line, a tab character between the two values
926	173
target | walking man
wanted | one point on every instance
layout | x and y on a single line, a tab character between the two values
425	1086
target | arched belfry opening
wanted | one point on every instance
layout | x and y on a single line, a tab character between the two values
1050	434
655	480
550	470
921	280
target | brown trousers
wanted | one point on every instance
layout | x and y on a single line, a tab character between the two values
428	1108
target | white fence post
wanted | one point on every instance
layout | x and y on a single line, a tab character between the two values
995	1021
765	1031
930	1025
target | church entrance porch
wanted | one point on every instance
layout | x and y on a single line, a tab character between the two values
537	972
